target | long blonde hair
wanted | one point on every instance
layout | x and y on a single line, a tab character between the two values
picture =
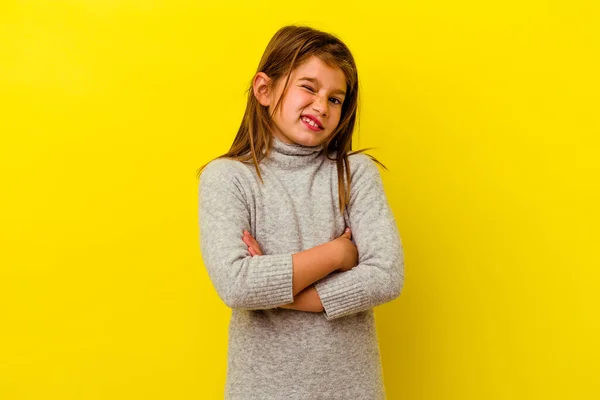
288	48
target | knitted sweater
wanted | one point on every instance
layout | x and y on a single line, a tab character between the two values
277	353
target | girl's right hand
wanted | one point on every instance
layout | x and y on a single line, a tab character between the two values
347	251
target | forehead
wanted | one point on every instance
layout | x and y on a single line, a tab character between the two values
329	77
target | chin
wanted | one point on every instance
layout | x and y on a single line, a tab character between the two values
312	140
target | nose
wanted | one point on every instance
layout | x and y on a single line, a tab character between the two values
320	105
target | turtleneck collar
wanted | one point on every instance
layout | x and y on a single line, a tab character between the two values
294	155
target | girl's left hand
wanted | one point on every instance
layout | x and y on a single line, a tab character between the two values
252	244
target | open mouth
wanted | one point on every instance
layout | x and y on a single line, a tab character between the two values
310	124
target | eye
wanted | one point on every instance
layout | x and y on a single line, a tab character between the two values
335	99
308	87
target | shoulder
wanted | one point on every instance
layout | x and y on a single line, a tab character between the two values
222	171
362	166
221	167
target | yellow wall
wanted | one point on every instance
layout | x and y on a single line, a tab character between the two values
485	114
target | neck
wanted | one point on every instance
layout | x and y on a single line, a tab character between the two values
289	156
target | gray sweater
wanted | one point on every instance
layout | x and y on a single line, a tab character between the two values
276	353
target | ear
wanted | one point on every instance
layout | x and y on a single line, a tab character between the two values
262	88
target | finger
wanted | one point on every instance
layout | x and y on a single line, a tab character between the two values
256	248
252	240
249	240
247	235
254	243
255	252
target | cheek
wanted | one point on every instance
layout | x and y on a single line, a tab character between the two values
337	115
302	99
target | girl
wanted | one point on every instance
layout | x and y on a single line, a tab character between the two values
273	213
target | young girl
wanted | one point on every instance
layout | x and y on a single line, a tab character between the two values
275	214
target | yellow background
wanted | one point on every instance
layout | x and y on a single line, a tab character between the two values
486	115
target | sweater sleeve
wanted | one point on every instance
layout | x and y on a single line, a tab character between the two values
379	275
240	279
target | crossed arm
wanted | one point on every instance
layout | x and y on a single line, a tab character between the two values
306	300
335	288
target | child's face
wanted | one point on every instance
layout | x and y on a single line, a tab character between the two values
315	92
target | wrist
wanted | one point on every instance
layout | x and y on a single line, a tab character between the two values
307	300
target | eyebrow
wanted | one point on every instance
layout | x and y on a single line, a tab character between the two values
316	82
